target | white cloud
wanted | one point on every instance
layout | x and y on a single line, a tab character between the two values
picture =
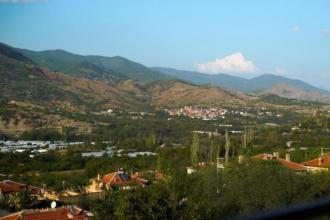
234	63
281	71
295	29
21	1
326	31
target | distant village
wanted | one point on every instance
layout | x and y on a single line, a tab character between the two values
216	113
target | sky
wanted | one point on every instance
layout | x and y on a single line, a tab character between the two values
240	37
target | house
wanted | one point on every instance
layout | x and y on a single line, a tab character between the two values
122	180
73	195
285	162
119	179
8	187
321	163
62	213
198	166
151	176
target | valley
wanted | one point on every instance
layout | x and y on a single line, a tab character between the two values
69	122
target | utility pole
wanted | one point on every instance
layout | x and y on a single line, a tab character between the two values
218	167
227	146
245	138
211	149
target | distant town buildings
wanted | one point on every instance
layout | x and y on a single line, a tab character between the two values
219	113
199	113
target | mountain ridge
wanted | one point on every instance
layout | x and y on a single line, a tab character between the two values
98	68
112	68
256	85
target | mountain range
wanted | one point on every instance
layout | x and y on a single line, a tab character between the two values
55	89
62	80
263	84
95	79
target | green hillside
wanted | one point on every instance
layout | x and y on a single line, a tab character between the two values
95	67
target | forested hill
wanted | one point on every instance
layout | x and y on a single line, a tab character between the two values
23	80
95	67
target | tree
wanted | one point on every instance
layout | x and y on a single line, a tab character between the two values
194	149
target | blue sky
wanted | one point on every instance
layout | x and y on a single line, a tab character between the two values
245	38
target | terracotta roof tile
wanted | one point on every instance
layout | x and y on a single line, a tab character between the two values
156	175
292	165
319	162
289	164
9	187
63	213
120	179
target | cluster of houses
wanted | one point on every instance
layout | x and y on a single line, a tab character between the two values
199	113
95	191
263	111
216	113
321	163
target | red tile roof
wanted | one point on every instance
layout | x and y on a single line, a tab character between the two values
318	162
63	213
155	175
289	164
120	178
10	187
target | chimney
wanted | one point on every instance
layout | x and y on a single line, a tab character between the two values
287	157
276	154
320	161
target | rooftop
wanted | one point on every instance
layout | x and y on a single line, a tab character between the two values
62	213
323	161
121	178
10	187
287	163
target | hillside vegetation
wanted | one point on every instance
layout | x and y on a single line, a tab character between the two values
47	98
